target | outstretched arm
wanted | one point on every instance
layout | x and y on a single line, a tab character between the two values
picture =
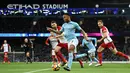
1	47
84	34
59	36
82	31
53	30
95	40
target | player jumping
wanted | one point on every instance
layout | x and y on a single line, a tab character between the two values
91	48
7	48
107	43
68	28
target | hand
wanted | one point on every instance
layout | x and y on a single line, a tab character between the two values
49	29
86	38
47	44
80	45
21	46
99	41
58	36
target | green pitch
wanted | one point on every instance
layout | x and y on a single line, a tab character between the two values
46	68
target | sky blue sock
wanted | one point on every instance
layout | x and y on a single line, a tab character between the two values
95	59
90	59
80	55
70	60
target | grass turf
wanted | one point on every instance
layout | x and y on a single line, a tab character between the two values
46	68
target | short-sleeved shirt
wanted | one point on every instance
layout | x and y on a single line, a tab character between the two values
90	45
69	30
108	38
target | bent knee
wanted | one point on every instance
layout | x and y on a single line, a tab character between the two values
57	48
71	48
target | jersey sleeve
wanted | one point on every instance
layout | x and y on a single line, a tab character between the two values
104	29
83	42
62	28
94	39
59	28
77	26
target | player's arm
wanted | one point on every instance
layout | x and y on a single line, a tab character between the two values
84	34
59	36
1	47
47	41
22	45
95	40
82	31
104	34
82	43
9	48
31	45
53	30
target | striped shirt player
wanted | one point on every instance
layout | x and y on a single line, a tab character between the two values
53	40
107	43
6	48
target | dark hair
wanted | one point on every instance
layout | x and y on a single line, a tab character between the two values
53	21
66	14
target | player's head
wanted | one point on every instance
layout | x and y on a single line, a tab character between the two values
100	23
66	17
26	40
5	41
53	24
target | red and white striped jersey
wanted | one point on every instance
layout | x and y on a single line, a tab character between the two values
53	41
6	47
108	38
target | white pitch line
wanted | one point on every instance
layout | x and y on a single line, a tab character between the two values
37	70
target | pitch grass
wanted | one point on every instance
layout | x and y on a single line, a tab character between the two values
46	68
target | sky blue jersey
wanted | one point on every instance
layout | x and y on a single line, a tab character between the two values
69	30
89	44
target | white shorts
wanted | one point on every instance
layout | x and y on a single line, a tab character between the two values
53	52
75	43
91	52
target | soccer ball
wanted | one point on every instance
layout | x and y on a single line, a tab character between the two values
55	67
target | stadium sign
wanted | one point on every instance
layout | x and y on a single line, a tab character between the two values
37	6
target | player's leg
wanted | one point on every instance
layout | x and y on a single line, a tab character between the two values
112	47
79	60
91	61
90	52
5	57
70	59
99	51
92	56
77	56
28	57
53	56
71	46
58	52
